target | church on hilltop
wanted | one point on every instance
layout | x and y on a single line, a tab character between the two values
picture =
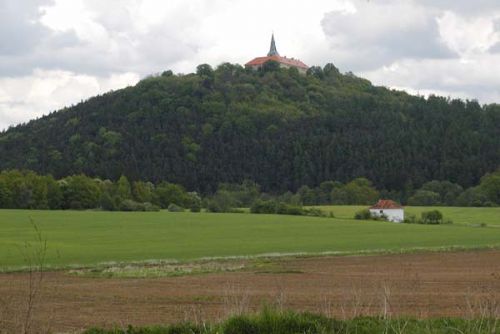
273	55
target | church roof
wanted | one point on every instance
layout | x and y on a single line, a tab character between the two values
283	60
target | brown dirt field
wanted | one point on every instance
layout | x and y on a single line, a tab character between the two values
419	285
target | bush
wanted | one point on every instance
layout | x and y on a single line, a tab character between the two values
410	219
433	217
174	208
261	206
314	212
222	201
150	207
130	205
363	214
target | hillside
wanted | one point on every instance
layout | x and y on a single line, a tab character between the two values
275	127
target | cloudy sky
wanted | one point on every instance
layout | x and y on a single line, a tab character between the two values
55	53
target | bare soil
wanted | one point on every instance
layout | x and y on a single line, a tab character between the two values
463	284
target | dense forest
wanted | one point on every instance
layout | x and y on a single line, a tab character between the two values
29	190
275	127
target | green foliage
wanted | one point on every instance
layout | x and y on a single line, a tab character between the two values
169	193
271	321
195	202
363	214
358	191
424	198
175	208
243	194
143	191
273	206
490	186
124	190
432	217
222	201
80	192
474	196
275	127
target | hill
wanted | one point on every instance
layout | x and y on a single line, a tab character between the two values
276	127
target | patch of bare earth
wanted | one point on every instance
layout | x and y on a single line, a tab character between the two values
463	284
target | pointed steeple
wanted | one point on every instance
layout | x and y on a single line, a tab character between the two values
273	51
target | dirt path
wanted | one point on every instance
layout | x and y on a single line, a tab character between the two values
423	285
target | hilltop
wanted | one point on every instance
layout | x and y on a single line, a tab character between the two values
274	126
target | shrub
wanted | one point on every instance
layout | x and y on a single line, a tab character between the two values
410	219
174	208
363	214
314	212
432	217
293	210
130	205
262	206
222	201
150	207
195	207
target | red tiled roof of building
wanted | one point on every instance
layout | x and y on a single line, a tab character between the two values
386	204
283	60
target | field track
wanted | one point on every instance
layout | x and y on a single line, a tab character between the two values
420	285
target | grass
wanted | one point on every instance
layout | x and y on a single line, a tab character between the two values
459	215
275	322
87	238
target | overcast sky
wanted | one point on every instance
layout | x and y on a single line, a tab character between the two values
54	53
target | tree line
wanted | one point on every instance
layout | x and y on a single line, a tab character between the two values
279	128
22	189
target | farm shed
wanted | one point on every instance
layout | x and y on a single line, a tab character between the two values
390	209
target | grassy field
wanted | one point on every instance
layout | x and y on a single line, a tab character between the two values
88	237
459	215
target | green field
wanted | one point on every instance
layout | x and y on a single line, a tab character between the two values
459	215
91	237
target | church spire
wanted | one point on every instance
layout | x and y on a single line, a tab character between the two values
273	51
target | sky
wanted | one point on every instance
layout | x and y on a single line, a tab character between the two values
56	53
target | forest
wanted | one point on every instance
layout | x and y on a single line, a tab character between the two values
276	127
29	190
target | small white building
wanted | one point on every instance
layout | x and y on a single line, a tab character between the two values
390	209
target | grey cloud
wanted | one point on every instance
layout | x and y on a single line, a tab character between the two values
464	7
19	30
365	49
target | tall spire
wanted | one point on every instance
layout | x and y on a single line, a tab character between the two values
273	51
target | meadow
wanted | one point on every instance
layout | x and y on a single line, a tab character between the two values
87	238
460	215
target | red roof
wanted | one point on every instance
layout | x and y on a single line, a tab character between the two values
283	60
386	204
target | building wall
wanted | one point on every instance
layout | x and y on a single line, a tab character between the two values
393	215
300	69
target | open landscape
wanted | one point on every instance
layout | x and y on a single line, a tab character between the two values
249	167
87	238
120	268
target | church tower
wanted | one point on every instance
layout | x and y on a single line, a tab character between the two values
273	55
272	50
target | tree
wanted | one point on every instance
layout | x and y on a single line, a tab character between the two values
143	191
424	198
80	192
359	191
124	190
168	193
490	186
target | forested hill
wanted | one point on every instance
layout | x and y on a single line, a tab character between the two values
275	127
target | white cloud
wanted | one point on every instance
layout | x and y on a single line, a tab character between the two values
24	98
67	50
